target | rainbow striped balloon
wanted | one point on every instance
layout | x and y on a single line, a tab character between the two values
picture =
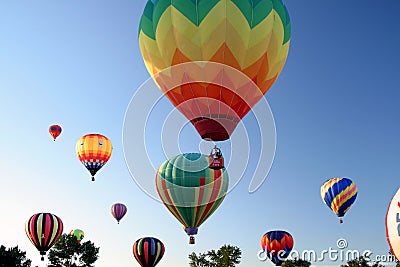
339	194
190	189
43	230
148	251
251	36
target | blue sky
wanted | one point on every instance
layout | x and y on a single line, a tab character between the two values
77	63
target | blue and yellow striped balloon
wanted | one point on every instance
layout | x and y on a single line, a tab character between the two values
339	194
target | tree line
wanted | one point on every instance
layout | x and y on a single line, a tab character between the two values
67	252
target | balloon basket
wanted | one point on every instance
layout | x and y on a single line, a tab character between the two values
191	240
340	220
216	163
93	179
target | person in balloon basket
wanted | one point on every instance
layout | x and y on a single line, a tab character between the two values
216	159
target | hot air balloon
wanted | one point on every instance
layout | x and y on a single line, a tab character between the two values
93	150
190	189
55	131
43	230
79	234
118	211
251	38
393	225
339	194
277	244
148	251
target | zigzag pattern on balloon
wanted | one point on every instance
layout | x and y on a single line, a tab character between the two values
224	35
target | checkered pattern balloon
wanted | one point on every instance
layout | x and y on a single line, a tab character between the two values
93	150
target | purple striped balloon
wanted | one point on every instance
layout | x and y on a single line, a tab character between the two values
118	210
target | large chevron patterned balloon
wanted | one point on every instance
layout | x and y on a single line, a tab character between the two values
250	36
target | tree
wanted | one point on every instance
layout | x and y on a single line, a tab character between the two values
296	263
198	261
67	252
225	256
361	262
393	258
13	257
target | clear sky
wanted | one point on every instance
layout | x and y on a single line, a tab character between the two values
78	64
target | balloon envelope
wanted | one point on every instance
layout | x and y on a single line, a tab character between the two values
43	230
339	194
118	210
55	131
277	244
392	222
78	233
93	150
250	37
148	251
190	189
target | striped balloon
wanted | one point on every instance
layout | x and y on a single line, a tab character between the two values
93	150
43	230
118	210
339	194
277	244
148	251
252	37
190	189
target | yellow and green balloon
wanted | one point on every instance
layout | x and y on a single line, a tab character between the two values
78	233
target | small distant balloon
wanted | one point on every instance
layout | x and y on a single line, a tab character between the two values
339	194
118	210
43	230
93	150
78	233
55	131
277	244
148	251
